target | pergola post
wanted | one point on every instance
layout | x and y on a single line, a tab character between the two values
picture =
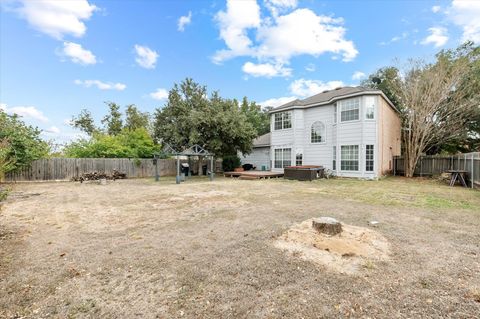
178	170
211	168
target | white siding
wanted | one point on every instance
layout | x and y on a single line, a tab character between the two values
318	153
360	132
258	157
284	138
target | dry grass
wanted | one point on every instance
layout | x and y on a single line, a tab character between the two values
137	248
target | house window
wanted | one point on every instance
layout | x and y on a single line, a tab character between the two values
369	158
349	110
282	120
349	158
335	113
283	157
369	107
317	132
299	160
334	163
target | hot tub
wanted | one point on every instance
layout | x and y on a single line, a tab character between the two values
303	173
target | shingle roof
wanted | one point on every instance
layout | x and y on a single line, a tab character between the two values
262	140
326	96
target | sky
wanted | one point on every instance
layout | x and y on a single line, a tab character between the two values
58	57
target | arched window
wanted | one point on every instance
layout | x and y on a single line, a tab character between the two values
318	132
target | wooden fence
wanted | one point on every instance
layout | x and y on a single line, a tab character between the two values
436	165
50	169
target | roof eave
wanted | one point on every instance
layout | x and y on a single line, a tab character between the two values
335	99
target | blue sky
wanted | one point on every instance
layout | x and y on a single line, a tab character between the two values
60	56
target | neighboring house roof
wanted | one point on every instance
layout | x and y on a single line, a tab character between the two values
327	97
262	140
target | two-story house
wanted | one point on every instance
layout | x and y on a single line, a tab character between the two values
353	131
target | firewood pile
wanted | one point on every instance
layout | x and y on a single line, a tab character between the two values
95	176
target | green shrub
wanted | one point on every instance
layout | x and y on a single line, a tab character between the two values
230	162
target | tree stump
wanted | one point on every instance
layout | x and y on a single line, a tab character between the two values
327	225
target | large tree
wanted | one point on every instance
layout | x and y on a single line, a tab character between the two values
192	117
439	102
113	122
20	143
258	117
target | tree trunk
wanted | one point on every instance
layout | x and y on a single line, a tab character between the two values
327	225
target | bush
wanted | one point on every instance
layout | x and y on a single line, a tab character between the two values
230	162
128	144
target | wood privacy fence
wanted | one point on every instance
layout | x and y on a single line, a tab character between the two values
437	164
50	169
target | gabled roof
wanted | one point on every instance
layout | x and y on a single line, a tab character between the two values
327	97
262	140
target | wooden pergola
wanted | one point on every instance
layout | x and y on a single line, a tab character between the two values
195	150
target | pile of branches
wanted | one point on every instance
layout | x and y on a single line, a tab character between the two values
95	176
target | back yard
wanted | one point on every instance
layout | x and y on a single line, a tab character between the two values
136	248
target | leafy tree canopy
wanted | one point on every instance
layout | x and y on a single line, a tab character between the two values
258	117
136	143
451	113
20	143
113	122
192	117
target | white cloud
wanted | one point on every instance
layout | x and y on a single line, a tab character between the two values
358	75
310	68
77	54
304	32
184	21
305	88
266	70
53	130
277	101
280	37
25	111
438	37
146	57
396	38
57	18
465	14
102	85
436	9
234	23
278	6
159	94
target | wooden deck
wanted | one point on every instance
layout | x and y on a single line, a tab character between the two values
253	174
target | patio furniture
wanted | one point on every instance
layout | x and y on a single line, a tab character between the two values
457	175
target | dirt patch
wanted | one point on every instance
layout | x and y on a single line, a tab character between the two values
348	252
201	249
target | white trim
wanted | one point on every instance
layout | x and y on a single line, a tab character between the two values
337	98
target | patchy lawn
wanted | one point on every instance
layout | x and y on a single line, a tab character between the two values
136	248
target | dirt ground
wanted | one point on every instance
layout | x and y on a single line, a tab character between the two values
140	249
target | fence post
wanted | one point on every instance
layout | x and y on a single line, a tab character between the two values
394	165
472	176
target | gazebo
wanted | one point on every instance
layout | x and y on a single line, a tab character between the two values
195	150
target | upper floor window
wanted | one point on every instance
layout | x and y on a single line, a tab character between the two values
282	120
369	107
335	113
349	110
317	132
